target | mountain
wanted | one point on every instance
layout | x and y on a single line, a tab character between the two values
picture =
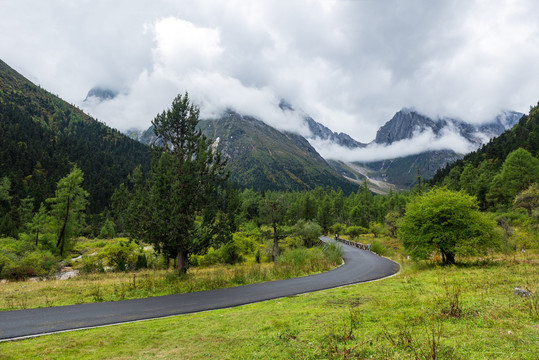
403	172
406	123
263	158
100	94
42	136
319	131
398	173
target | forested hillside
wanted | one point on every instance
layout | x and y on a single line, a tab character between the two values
42	137
500	169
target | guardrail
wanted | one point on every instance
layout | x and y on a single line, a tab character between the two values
355	244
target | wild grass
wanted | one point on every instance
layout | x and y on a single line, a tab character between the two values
115	286
427	311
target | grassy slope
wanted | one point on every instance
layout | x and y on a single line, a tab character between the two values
363	320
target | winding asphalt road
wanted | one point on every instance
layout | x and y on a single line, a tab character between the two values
359	266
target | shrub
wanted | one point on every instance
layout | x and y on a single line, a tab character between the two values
92	264
355	231
333	251
378	248
309	232
121	254
107	231
293	242
377	229
337	228
230	253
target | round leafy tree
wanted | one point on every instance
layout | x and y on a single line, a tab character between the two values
447	222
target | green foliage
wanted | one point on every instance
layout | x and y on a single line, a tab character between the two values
337	228
176	209
355	231
528	199
19	259
448	222
273	212
390	223
67	207
92	264
121	254
519	170
233	252
309	232
107	231
378	248
377	229
250	201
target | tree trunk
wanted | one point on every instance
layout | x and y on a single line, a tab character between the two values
181	261
448	257
275	243
61	236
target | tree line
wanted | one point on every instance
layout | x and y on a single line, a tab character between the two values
185	204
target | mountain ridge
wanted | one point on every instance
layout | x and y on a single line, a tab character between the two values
399	173
43	136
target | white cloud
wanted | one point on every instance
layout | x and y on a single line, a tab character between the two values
349	64
448	139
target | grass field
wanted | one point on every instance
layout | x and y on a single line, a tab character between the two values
466	311
113	286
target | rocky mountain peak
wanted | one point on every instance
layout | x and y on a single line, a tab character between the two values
101	94
403	125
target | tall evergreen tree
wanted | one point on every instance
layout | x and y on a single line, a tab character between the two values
181	216
67	207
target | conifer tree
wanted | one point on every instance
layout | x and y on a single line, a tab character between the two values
181	207
67	207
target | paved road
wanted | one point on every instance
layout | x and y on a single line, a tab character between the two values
359	266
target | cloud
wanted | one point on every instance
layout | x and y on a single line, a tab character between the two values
184	58
349	64
447	139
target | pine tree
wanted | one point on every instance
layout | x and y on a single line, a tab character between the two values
67	207
179	214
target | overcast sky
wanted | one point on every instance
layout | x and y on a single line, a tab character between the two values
349	64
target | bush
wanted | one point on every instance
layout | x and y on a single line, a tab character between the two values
230	253
20	259
293	242
377	229
309	232
355	231
92	264
337	228
378	248
107	231
121	254
333	251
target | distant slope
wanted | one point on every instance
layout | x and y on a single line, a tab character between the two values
41	136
